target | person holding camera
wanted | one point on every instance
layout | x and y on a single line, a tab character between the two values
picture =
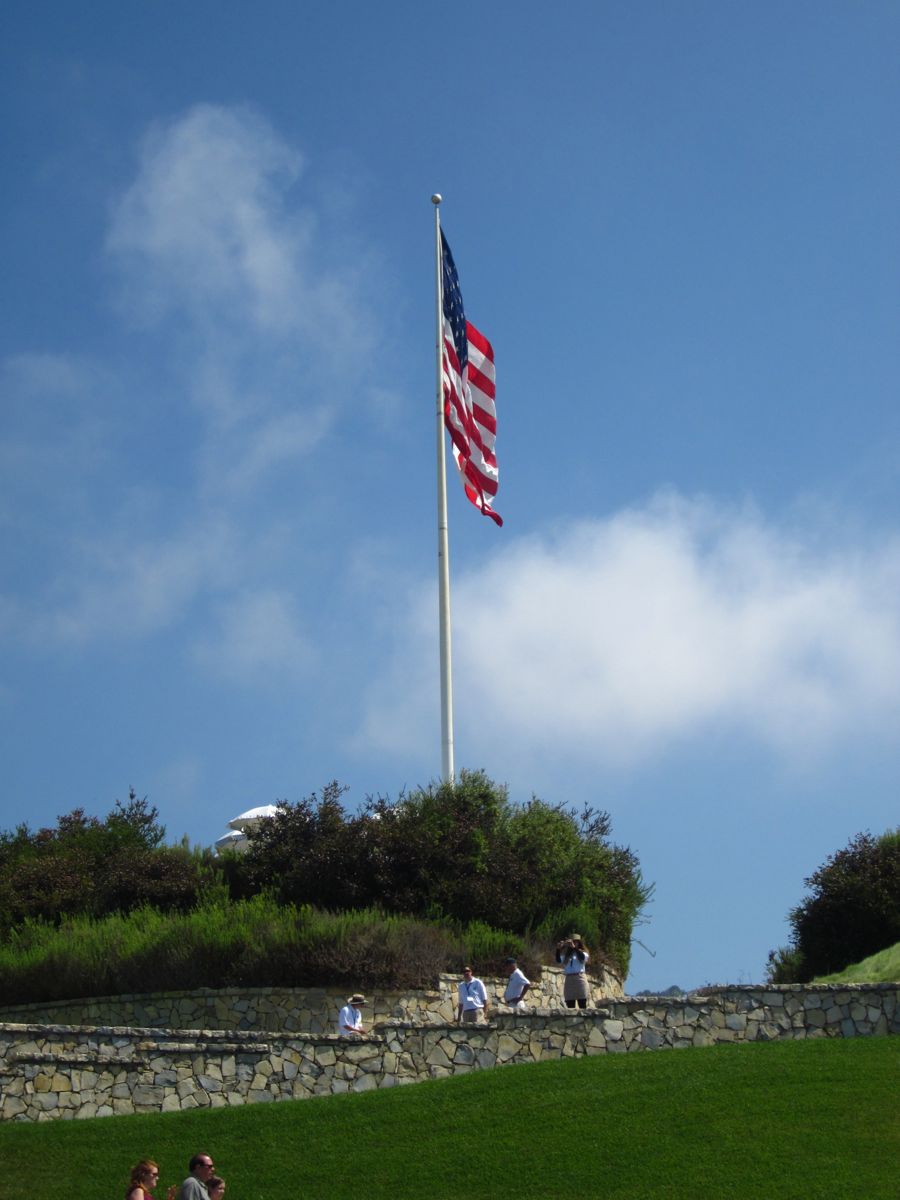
572	954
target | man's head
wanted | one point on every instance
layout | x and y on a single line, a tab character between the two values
511	965
467	973
201	1167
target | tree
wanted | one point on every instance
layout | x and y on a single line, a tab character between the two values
90	866
852	911
455	853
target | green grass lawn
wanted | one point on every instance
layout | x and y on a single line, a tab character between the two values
883	967
767	1121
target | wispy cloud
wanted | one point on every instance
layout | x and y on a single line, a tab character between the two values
613	639
213	231
247	329
125	587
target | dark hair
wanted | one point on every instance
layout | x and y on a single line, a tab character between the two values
195	1161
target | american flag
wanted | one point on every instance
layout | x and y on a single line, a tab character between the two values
469	412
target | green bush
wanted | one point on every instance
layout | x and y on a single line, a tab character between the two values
251	943
852	911
454	853
93	867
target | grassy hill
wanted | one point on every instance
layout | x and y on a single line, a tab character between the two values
805	1120
883	967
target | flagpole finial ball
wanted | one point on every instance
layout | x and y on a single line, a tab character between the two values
436	198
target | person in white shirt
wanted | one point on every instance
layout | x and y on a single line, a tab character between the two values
573	955
473	1001
350	1023
517	986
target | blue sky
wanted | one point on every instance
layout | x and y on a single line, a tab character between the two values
676	223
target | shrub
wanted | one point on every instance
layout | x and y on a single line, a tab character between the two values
251	943
93	867
454	853
853	909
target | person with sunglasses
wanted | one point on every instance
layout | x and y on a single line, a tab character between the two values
145	1177
473	1002
195	1187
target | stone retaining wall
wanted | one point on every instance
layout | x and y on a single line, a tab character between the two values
60	1071
286	1010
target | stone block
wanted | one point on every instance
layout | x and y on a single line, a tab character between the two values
437	1058
652	1039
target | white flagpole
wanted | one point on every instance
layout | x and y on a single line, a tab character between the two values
447	772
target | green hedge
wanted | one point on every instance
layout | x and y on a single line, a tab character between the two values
254	943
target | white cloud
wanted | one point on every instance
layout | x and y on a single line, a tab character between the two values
212	229
127	500
265	321
204	227
613	639
128	588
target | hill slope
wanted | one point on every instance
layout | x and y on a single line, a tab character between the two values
789	1119
883	967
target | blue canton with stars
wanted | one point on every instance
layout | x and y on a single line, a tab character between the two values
453	306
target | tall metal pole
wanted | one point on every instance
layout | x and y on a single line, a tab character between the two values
447	771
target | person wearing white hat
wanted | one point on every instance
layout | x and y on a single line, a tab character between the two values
350	1023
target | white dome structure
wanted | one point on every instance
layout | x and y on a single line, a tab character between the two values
234	839
252	817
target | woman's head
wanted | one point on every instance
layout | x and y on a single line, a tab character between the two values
144	1174
216	1187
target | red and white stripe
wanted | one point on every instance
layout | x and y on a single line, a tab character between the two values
471	418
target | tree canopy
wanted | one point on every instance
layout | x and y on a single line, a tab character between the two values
851	912
88	866
454	852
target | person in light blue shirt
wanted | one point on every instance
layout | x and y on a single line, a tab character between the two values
473	1001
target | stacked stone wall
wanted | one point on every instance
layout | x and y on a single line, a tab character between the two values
64	1071
287	1010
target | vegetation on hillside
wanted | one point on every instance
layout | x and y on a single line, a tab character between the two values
387	898
797	1120
883	967
224	943
454	854
91	867
852	911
